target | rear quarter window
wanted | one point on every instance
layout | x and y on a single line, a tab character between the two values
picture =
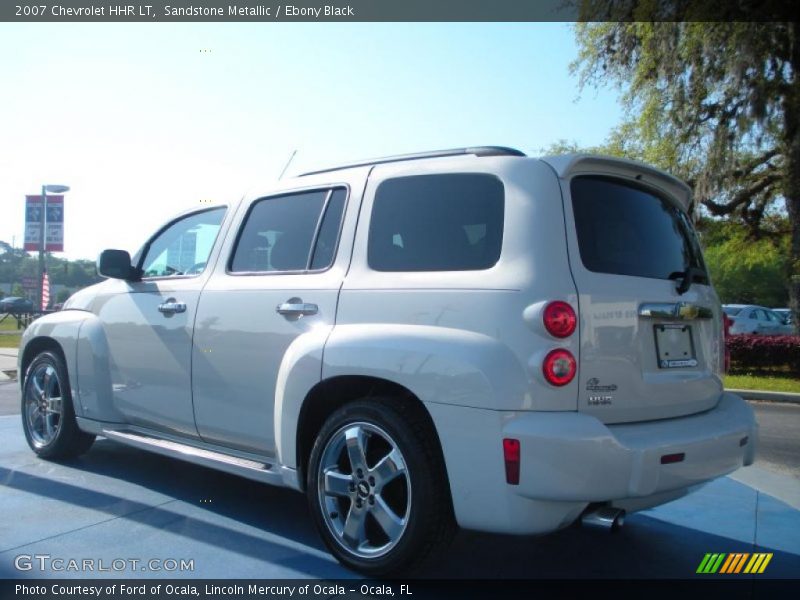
447	222
624	229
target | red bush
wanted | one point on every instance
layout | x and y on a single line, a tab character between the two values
760	352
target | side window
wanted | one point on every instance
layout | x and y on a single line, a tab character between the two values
280	232
183	247
448	222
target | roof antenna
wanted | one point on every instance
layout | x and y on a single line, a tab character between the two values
288	162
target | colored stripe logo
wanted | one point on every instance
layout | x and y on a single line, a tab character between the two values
728	564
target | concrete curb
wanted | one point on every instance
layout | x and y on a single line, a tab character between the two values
767	396
8	364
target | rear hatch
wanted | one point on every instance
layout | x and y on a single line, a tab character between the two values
651	345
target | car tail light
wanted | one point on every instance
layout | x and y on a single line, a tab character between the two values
669	459
559	367
511	458
560	319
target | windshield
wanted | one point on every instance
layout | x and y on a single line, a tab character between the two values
731	311
781	315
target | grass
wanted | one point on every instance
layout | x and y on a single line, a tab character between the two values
10	340
762	382
9	334
8	324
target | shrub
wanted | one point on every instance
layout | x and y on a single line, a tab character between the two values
764	352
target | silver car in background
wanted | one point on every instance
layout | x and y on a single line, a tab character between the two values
753	319
785	314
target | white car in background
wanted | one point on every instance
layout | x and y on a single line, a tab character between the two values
753	319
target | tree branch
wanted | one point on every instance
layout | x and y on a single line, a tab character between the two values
752	165
742	197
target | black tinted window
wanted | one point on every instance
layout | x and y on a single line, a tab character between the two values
325	248
628	230
437	223
278	232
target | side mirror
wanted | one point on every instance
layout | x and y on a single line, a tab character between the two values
116	264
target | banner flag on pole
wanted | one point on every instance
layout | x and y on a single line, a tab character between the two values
34	207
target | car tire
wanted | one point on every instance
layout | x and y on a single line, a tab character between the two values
378	489
48	416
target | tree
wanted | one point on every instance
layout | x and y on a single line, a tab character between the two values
744	270
15	264
63	295
716	103
12	262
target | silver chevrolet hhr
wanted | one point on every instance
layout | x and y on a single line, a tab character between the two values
467	338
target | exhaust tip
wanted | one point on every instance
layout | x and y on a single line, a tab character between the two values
606	518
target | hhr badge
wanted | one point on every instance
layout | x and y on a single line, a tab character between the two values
600	400
593	385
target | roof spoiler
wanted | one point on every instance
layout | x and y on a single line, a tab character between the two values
568	165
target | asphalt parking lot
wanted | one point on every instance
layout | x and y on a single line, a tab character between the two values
122	503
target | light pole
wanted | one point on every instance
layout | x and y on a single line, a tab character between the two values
53	189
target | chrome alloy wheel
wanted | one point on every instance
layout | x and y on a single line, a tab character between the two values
43	405
364	490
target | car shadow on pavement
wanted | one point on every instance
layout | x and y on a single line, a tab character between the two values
646	547
276	511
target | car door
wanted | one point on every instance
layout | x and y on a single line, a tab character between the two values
756	321
774	322
761	322
148	324
750	323
279	279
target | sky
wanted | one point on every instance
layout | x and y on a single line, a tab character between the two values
143	120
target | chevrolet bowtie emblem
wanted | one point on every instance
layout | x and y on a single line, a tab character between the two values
688	311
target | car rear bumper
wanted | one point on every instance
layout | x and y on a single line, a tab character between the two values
568	460
580	458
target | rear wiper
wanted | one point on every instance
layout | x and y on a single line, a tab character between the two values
687	277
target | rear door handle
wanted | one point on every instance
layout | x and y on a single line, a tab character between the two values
295	307
171	306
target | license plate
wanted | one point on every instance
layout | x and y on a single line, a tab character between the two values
674	346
